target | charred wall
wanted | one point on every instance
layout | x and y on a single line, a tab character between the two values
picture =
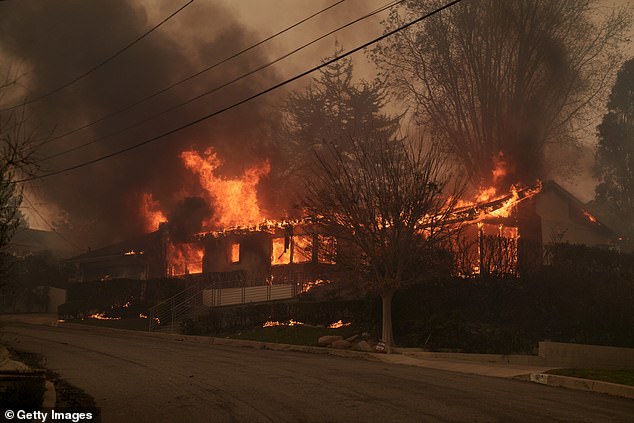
253	255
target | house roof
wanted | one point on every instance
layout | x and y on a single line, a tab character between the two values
585	216
139	245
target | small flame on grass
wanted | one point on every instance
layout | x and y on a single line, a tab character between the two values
102	316
275	323
338	324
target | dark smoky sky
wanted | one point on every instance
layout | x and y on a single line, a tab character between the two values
48	43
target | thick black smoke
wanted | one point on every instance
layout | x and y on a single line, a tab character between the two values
52	42
187	218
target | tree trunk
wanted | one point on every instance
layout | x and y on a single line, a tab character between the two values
386	331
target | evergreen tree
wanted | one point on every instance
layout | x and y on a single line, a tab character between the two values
615	155
333	109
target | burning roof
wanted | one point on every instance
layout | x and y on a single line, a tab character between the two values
497	208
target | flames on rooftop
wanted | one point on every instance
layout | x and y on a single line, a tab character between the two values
229	205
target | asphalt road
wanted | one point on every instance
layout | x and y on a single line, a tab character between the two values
136	378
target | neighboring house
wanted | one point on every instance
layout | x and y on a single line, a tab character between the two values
140	258
33	281
564	218
518	243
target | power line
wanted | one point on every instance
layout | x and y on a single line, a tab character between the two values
219	87
245	100
72	244
100	64
206	69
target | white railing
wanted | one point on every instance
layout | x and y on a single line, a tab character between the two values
251	294
169	313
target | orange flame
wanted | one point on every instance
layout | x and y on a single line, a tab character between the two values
102	316
488	195
272	323
235	252
185	259
338	324
590	217
151	212
235	200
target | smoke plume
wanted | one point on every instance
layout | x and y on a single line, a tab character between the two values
49	43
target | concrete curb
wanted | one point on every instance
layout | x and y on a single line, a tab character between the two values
515	359
589	385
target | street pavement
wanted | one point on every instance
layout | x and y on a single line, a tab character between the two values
140	377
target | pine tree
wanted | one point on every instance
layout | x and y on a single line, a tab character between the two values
333	109
615	155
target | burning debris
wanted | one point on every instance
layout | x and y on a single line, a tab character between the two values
102	316
156	320
338	324
291	322
312	284
498	207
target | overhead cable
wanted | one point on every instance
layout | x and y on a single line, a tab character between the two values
100	64
219	87
245	100
188	78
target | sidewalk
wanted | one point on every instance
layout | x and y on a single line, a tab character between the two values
477	364
505	367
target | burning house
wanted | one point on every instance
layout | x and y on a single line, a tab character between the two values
511	234
500	235
271	252
496	233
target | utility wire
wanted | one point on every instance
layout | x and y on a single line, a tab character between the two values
100	64
208	68
219	87
245	100
72	244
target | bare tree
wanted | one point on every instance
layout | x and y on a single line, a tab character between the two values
388	202
516	76
17	148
